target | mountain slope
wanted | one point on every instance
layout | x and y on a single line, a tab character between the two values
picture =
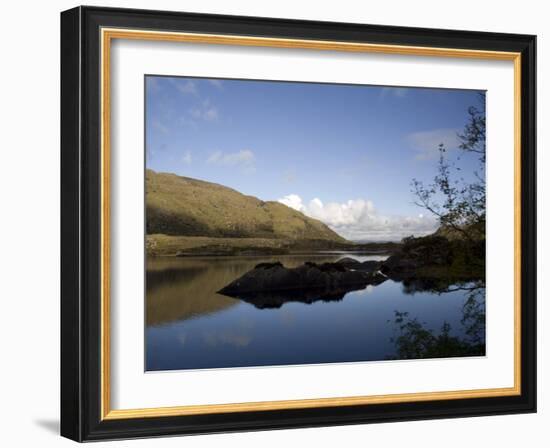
182	206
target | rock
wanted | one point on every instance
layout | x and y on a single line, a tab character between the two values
272	284
326	267
268	265
365	266
369	266
348	261
314	278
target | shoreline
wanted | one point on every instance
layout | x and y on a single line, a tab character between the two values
199	246
319	253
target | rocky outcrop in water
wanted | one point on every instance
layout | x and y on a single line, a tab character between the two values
323	278
423	263
365	266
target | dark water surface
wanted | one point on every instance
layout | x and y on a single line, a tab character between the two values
190	326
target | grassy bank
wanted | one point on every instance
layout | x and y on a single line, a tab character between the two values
168	245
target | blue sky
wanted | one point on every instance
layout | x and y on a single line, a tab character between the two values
344	154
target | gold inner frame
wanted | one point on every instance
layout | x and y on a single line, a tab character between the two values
107	35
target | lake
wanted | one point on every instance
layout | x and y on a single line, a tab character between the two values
190	326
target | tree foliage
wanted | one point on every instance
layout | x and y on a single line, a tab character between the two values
459	204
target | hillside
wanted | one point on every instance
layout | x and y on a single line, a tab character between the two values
181	206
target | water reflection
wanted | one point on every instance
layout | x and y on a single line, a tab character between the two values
276	299
415	340
190	326
183	288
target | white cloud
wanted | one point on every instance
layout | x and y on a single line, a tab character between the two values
368	290
293	201
187	122
216	83
397	92
426	143
205	111
226	337
184	86
243	158
357	219
187	158
211	114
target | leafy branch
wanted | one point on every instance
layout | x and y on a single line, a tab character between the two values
458	204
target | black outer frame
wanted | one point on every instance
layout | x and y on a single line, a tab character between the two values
80	223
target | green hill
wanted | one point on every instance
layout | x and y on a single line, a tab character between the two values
181	206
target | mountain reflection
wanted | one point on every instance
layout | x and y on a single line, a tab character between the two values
183	290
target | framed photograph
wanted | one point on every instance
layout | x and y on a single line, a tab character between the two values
273	223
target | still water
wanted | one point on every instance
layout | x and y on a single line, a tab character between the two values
190	326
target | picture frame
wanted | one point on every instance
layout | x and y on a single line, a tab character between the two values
86	278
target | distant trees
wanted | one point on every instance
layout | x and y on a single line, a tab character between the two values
459	203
